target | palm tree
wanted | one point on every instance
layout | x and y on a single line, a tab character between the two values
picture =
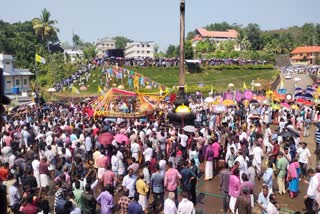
243	42
44	27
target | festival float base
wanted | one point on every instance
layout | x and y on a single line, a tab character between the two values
117	103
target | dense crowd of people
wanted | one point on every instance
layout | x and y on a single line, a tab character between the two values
168	62
57	158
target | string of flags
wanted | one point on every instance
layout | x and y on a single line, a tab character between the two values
133	79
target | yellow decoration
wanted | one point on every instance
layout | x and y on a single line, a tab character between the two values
183	109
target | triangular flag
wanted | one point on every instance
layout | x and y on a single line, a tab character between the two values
244	86
75	90
281	84
40	59
100	90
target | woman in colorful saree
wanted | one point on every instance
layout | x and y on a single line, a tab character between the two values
293	178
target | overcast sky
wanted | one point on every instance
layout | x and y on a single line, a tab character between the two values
158	20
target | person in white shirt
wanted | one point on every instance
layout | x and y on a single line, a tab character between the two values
169	205
303	158
135	149
35	166
183	139
312	191
129	182
273	207
185	206
148	153
257	154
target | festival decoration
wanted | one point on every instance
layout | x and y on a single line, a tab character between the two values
248	94
238	96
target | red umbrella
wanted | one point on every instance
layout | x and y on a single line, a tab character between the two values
105	138
121	137
308	103
300	100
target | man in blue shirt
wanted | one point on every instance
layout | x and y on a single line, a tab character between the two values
157	187
134	206
263	199
187	176
267	176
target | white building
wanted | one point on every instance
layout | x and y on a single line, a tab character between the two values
15	79
104	44
73	54
139	49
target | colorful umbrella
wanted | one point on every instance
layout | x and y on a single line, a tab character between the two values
219	108
295	107
121	138
209	100
255	102
105	138
285	105
228	102
275	106
300	100
190	129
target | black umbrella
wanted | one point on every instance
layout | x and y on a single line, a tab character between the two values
293	131
287	134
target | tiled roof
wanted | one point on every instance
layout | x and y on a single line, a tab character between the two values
306	49
218	34
197	38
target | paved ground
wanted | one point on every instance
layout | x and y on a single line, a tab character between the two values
290	84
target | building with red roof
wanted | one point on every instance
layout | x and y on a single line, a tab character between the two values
216	36
305	55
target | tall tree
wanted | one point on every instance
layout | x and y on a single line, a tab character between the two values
170	51
242	41
45	27
89	52
188	50
76	40
254	34
121	41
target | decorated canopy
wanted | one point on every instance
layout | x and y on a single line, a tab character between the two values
124	104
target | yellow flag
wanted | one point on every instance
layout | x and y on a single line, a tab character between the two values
244	86
100	90
75	90
40	59
136	82
281	84
185	88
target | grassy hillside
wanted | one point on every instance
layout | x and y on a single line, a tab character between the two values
218	76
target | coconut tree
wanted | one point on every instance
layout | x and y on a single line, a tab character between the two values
45	27
243	42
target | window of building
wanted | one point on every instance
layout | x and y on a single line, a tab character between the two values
138	45
8	81
17	82
143	46
137	51
25	81
108	45
111	45
102	44
148	46
142	51
148	51
7	63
